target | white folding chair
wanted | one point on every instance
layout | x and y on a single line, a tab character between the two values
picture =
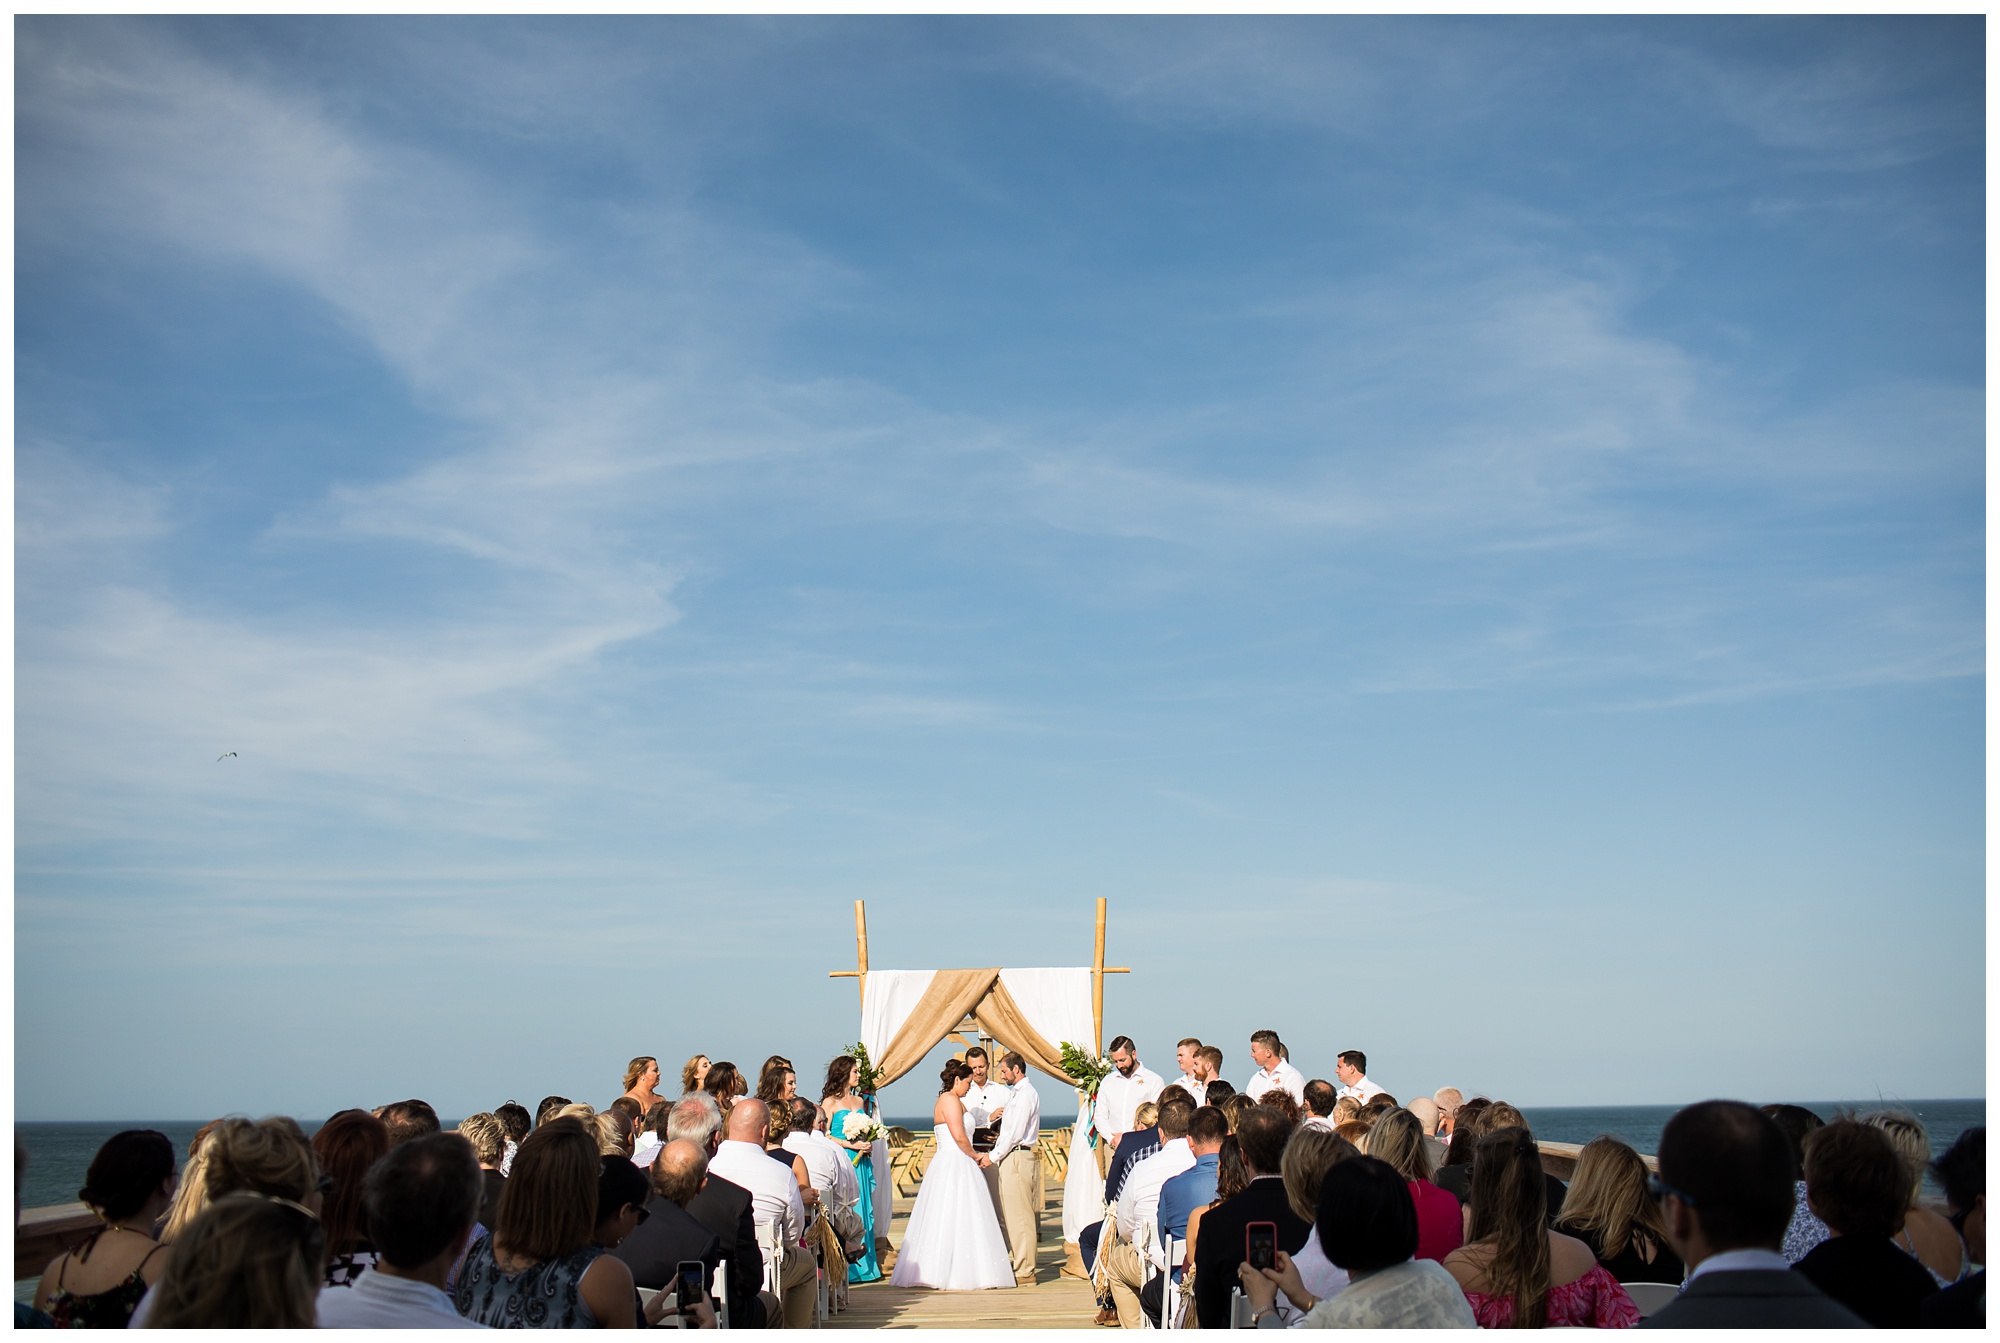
1239	1309
771	1241
1170	1291
1651	1296
722	1294
1148	1270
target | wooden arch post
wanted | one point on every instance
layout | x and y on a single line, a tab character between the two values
859	974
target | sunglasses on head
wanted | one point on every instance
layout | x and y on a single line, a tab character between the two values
1659	1189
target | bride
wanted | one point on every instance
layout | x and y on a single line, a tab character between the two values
953	1240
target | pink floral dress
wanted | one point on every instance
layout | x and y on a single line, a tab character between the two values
1593	1301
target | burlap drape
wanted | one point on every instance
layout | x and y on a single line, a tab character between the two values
951	995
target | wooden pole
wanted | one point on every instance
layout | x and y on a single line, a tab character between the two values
1097	981
861	948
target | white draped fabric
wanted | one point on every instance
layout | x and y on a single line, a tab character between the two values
888	997
1083	1188
1056	1003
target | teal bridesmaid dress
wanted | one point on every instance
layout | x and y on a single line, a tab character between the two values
864	1269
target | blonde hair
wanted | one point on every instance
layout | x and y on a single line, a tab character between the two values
690	1074
1345	1109
576	1110
636	1069
613	1131
1607	1195
488	1139
1912	1143
1398	1138
1309	1154
1147	1115
245	1262
270	1156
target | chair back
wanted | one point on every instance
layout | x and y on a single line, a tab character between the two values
1649	1297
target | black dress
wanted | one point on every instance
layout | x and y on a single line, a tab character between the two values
1627	1266
1457	1181
1871	1277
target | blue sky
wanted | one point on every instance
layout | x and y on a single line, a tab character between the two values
1468	532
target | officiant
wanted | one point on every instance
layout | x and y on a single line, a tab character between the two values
1018	1159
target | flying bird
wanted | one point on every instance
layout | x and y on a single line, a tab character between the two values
225	755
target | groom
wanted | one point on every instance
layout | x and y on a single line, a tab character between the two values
1019	1162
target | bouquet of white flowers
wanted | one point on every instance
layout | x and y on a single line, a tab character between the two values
858	1127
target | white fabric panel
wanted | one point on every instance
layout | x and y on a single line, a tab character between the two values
1083	1189
885	1189
1056	1003
888	997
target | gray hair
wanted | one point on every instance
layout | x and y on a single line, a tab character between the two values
694	1119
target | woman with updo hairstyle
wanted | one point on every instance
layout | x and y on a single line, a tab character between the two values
725	1084
1516	1272
1365	1226
247	1261
270	1156
693	1074
100	1283
953	1240
642	1077
539	1268
347	1145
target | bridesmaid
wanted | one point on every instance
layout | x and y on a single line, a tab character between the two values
841	1098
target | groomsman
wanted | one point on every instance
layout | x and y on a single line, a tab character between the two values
1129	1085
1274	1070
1016	1155
1187	1054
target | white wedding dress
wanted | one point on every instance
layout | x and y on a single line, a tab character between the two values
953	1241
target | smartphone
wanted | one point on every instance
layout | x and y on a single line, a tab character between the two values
690	1275
1260	1244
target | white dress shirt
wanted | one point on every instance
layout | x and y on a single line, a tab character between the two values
644	1150
1198	1090
982	1101
1284	1077
1737	1261
379	1301
1119	1097
1021	1125
1362	1090
774	1194
825	1163
1139	1199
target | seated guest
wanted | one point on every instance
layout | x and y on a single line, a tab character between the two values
1262	1133
1457	1179
550	1107
1134	1146
1187	1193
246	1261
830	1172
1925	1237
612	1130
1366	1225
418	1206
1320	1100
776	1129
1231	1179
1962	1172
1310	1154
669	1234
347	1145
1854	1181
1518	1274
1610	1209
1447	1100
515	1121
1424	1110
1725	1195
410	1119
724	1207
724	1084
1285	1103
1346	1110
652	1133
1234	1107
1797	1124
100	1283
1218	1090
632	1111
538	1268
775	1201
1398	1138
1138	1206
622	1191
489	1146
1354	1131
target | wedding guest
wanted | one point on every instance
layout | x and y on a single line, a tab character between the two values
419	1204
642	1080
1925	1237
1138	1206
622	1191
515	1121
550	1107
651	1134
1515	1271
1233	1108
409	1119
1458	1152
613	1131
1962	1172
1123	1090
1398	1138
1354	1131
1610	1209
670	1234
270	1156
346	1146
827	1167
724	1084
1187	1057
1805	1230
246	1261
1366	1226
1320	1100
1216	1089
1352	1070
1457	1180
1310	1154
489	1146
777	1128
1424	1110
1725	1193
693	1074
1274	1069
1855	1183
580	1111
1346	1110
538	1267
630	1108
100	1283
725	1208
1447	1100
1186	1194
1261	1134
774	1195
1378	1105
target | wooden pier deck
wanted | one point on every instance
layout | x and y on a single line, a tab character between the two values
1054	1302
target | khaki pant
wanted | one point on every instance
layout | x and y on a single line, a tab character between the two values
1104	1150
798	1278
1021	1207
1125	1271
